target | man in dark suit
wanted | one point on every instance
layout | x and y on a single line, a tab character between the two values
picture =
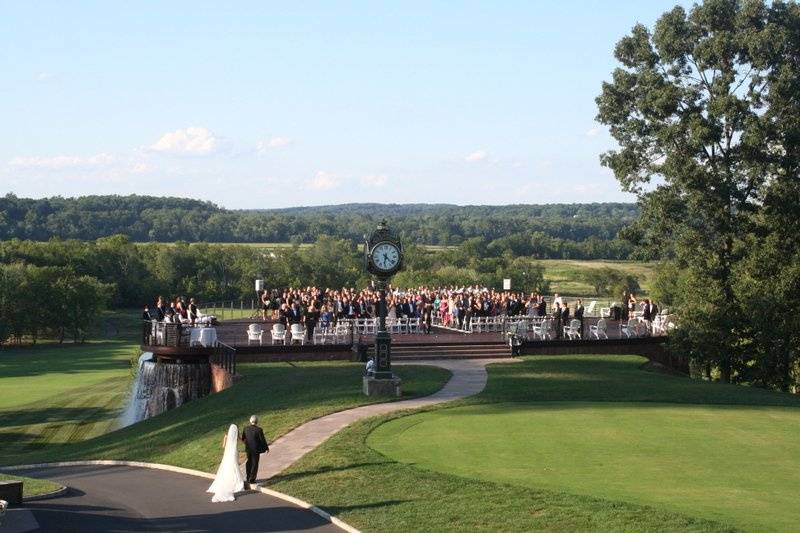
579	314
255	443
557	319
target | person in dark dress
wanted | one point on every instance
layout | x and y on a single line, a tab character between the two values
311	318
255	443
579	314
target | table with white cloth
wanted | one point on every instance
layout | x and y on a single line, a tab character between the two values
206	337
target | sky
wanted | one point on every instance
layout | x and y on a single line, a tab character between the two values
266	104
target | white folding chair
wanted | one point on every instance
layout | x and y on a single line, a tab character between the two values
599	330
298	334
542	330
630	329
573	331
278	333
255	333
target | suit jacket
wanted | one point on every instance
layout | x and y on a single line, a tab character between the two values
579	312
254	439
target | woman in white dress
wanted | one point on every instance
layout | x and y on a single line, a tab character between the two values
229	478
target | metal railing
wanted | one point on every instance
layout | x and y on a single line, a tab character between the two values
164	334
225	357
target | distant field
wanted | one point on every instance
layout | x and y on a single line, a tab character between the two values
565	275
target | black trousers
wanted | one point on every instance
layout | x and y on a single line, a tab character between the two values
251	467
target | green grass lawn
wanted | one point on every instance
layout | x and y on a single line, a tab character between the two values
32	487
283	395
566	275
52	395
568	443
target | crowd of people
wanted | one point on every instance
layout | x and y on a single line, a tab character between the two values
453	307
177	311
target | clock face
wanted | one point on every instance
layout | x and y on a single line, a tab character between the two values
385	256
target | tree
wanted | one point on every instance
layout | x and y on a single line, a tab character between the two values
705	112
611	281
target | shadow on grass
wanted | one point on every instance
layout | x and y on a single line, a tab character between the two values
325	470
64	359
611	378
338	509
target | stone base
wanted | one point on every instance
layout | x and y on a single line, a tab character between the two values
382	387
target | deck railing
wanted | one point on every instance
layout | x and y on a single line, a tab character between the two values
225	356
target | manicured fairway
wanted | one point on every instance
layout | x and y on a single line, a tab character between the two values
51	396
731	463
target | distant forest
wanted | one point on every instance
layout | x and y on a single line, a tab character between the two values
575	231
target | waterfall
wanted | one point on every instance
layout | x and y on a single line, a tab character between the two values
159	387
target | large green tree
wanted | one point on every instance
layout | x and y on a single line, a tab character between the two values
704	109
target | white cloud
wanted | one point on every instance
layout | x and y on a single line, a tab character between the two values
273	143
477	155
61	162
44	76
323	181
374	180
593	132
191	141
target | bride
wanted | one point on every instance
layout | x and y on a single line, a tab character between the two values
229	478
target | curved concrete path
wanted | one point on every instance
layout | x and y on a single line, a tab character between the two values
127	498
468	378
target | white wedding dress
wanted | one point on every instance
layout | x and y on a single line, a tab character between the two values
229	478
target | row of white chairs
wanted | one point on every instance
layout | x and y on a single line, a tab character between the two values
323	334
369	326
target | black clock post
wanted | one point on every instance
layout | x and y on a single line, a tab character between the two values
383	254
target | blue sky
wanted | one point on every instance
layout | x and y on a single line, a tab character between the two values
261	104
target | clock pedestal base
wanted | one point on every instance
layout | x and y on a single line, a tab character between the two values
375	386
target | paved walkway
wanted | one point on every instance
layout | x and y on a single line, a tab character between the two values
125	498
469	378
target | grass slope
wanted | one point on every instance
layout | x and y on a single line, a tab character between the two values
350	479
283	395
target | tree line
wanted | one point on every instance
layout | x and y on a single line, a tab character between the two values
58	288
568	231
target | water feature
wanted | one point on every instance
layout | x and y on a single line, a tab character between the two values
161	386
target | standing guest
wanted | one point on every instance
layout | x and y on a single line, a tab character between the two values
325	316
295	315
264	304
631	305
311	318
283	314
179	308
444	309
557	319
626	296
146	314
427	314
161	309
193	311
579	310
